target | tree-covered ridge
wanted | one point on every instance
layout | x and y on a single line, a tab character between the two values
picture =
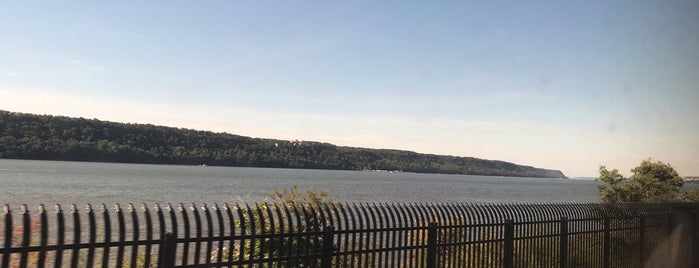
45	137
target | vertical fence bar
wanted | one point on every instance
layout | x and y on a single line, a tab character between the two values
359	240
508	252
167	251
382	255
422	219
694	231
209	232
668	234
122	235
243	232
197	223
491	231
43	236
149	233
446	233
327	248
607	242
173	223
272	251
564	243
453	236
373	234
8	235
264	251
61	236
221	233
93	236
394	234
76	236
404	237
253	232
185	226
26	236
472	236
432	245
642	238
231	226
107	235
162	250
288	251
342	225
353	246
161	226
135	236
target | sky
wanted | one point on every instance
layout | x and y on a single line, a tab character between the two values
568	85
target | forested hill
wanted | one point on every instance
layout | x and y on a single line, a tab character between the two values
29	136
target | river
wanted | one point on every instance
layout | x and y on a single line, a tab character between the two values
58	182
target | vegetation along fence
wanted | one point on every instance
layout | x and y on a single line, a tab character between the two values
354	235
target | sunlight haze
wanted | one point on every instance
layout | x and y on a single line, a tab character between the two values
559	85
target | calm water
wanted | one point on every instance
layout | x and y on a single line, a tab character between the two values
51	182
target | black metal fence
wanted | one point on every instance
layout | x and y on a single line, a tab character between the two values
354	235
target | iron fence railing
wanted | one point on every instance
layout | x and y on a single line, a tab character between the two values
353	235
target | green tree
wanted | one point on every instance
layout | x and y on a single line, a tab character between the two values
691	196
651	181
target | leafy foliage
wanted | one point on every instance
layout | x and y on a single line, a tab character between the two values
44	137
691	196
652	181
258	220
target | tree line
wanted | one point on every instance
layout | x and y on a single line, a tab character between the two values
46	137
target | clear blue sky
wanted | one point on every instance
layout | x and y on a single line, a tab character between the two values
567	85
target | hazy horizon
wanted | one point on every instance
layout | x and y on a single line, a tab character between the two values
568	86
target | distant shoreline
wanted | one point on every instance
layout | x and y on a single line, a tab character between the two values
46	137
290	168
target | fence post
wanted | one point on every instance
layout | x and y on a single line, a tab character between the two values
168	248
695	235
432	245
564	242
607	242
327	247
642	237
509	247
7	214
